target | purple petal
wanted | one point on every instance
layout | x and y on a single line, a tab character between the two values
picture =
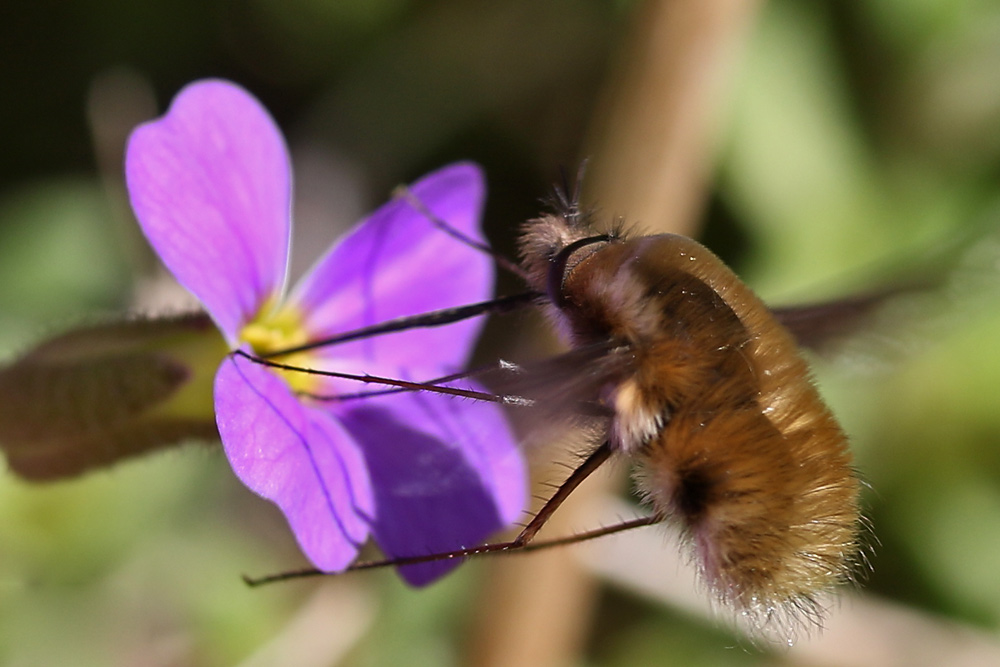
398	263
299	457
210	183
447	474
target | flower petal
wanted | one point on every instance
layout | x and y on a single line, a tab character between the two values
446	472
298	457
398	263
210	183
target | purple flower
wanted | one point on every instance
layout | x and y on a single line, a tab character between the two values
210	183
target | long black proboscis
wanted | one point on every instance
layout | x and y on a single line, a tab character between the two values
429	385
376	379
435	318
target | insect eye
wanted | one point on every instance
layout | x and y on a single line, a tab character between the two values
557	268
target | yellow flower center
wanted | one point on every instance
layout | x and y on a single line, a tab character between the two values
273	331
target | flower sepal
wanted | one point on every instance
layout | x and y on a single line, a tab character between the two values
96	395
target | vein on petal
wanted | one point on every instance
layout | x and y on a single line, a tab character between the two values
305	445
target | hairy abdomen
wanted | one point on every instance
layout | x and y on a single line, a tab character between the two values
718	409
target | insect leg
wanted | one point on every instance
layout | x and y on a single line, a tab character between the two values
520	543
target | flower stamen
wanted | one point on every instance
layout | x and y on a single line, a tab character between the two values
274	330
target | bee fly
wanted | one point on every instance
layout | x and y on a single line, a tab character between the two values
707	394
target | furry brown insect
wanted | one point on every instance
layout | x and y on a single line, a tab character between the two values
710	398
702	388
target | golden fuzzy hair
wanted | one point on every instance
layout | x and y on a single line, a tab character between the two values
716	407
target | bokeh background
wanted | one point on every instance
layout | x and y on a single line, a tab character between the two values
840	145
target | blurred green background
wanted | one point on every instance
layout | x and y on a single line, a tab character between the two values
860	140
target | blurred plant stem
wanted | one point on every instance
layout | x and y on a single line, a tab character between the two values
652	143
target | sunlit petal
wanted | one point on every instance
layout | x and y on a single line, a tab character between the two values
210	184
300	458
398	263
